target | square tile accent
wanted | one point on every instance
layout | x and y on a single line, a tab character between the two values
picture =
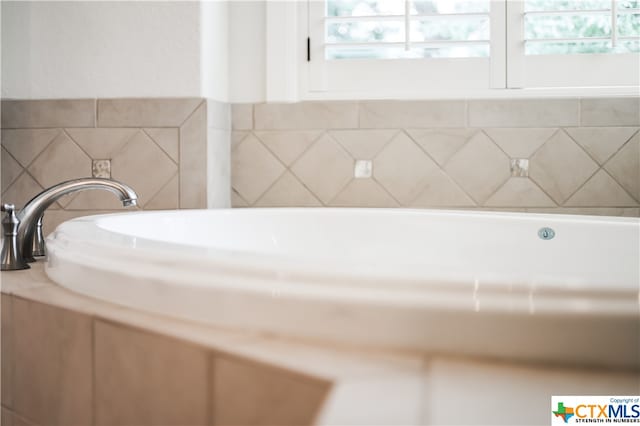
363	169
101	168
519	167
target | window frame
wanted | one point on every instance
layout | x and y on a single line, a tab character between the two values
290	77
344	77
564	71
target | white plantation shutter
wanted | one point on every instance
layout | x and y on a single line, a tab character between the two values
574	43
465	48
406	29
585	26
405	47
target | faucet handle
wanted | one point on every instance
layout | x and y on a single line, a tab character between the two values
9	208
10	256
38	246
10	221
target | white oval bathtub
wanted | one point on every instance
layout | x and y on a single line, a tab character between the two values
470	283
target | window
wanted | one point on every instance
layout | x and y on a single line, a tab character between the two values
400	48
573	43
585	26
406	29
432	48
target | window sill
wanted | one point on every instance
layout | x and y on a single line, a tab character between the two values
532	93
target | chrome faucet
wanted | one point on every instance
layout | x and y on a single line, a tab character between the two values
23	232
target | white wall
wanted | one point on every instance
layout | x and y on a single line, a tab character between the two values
102	49
214	50
89	49
247	34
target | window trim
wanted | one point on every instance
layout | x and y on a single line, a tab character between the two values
569	71
336	77
288	72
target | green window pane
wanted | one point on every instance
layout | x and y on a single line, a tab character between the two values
567	48
554	5
475	51
364	7
629	25
449	6
623	46
628	46
629	4
398	52
365	31
567	26
450	29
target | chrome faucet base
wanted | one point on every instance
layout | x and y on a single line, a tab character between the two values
23	237
11	257
38	248
12	263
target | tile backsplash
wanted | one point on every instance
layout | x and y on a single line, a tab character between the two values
157	146
554	155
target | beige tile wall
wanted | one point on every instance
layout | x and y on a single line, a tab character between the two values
583	155
157	146
62	367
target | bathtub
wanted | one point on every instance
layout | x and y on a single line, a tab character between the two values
535	287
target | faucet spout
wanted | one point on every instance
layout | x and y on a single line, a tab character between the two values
34	209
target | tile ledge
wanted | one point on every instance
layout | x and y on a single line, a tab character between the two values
313	360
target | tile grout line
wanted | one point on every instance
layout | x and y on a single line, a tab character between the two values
233	190
443	170
211	377
621	186
564	130
179	167
579	112
340	191
93	371
598	168
60	130
531	163
373	179
398	132
351	174
22	170
277	158
64	130
95	114
155	194
72	197
144	130
502	185
180	142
